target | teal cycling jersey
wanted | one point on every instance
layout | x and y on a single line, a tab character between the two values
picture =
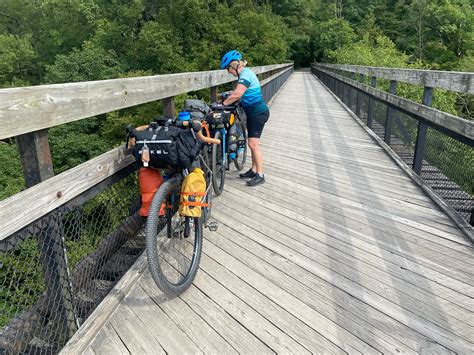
252	100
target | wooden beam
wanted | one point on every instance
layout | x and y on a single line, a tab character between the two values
30	109
27	206
457	126
448	80
35	157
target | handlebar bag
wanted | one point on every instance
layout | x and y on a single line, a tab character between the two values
219	119
169	146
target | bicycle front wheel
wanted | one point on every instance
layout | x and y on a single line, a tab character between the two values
218	166
241	158
173	252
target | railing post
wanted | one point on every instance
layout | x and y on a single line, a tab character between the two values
213	93
370	114
35	157
169	109
37	165
390	112
422	131
351	89
359	95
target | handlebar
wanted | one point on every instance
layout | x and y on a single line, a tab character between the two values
197	127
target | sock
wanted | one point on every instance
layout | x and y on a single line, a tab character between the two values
261	175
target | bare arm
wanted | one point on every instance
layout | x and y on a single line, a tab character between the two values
236	94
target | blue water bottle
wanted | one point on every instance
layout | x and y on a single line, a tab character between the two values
184	116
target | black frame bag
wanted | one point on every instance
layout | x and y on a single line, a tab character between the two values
169	146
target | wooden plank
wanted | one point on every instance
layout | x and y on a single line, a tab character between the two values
97	320
408	265
27	206
238	337
282	317
151	316
107	342
204	335
420	324
88	351
352	267
315	191
264	329
133	332
330	330
28	109
405	285
448	80
372	234
381	330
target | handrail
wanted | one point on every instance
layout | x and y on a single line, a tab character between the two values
462	128
29	109
448	80
25	207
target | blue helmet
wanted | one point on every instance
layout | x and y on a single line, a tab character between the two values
229	57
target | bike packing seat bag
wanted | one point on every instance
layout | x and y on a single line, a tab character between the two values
149	180
219	119
169	146
198	109
193	191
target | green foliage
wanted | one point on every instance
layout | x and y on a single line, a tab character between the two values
332	35
89	63
11	177
21	269
16	60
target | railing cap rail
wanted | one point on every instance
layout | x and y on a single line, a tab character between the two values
447	80
29	109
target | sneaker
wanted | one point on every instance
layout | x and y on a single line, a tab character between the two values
256	180
250	174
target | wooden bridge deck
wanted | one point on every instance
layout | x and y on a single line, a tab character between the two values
339	251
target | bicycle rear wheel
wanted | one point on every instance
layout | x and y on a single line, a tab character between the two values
218	166
241	158
173	252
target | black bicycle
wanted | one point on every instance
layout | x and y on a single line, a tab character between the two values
174	242
227	124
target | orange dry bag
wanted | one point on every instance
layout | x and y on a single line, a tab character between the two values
149	180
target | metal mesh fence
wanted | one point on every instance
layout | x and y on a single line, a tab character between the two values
447	165
57	270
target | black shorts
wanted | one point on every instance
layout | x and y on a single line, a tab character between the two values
256	123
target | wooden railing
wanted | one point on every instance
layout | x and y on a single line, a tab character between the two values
348	82
34	109
41	213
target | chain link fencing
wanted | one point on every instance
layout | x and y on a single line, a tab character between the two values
447	164
57	270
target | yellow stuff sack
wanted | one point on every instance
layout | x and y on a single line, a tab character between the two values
192	193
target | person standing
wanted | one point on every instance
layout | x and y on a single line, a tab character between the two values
249	93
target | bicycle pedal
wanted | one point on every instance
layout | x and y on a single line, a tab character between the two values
212	226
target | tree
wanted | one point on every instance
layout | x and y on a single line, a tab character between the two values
16	60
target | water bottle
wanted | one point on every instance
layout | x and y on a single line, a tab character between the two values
232	140
184	116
